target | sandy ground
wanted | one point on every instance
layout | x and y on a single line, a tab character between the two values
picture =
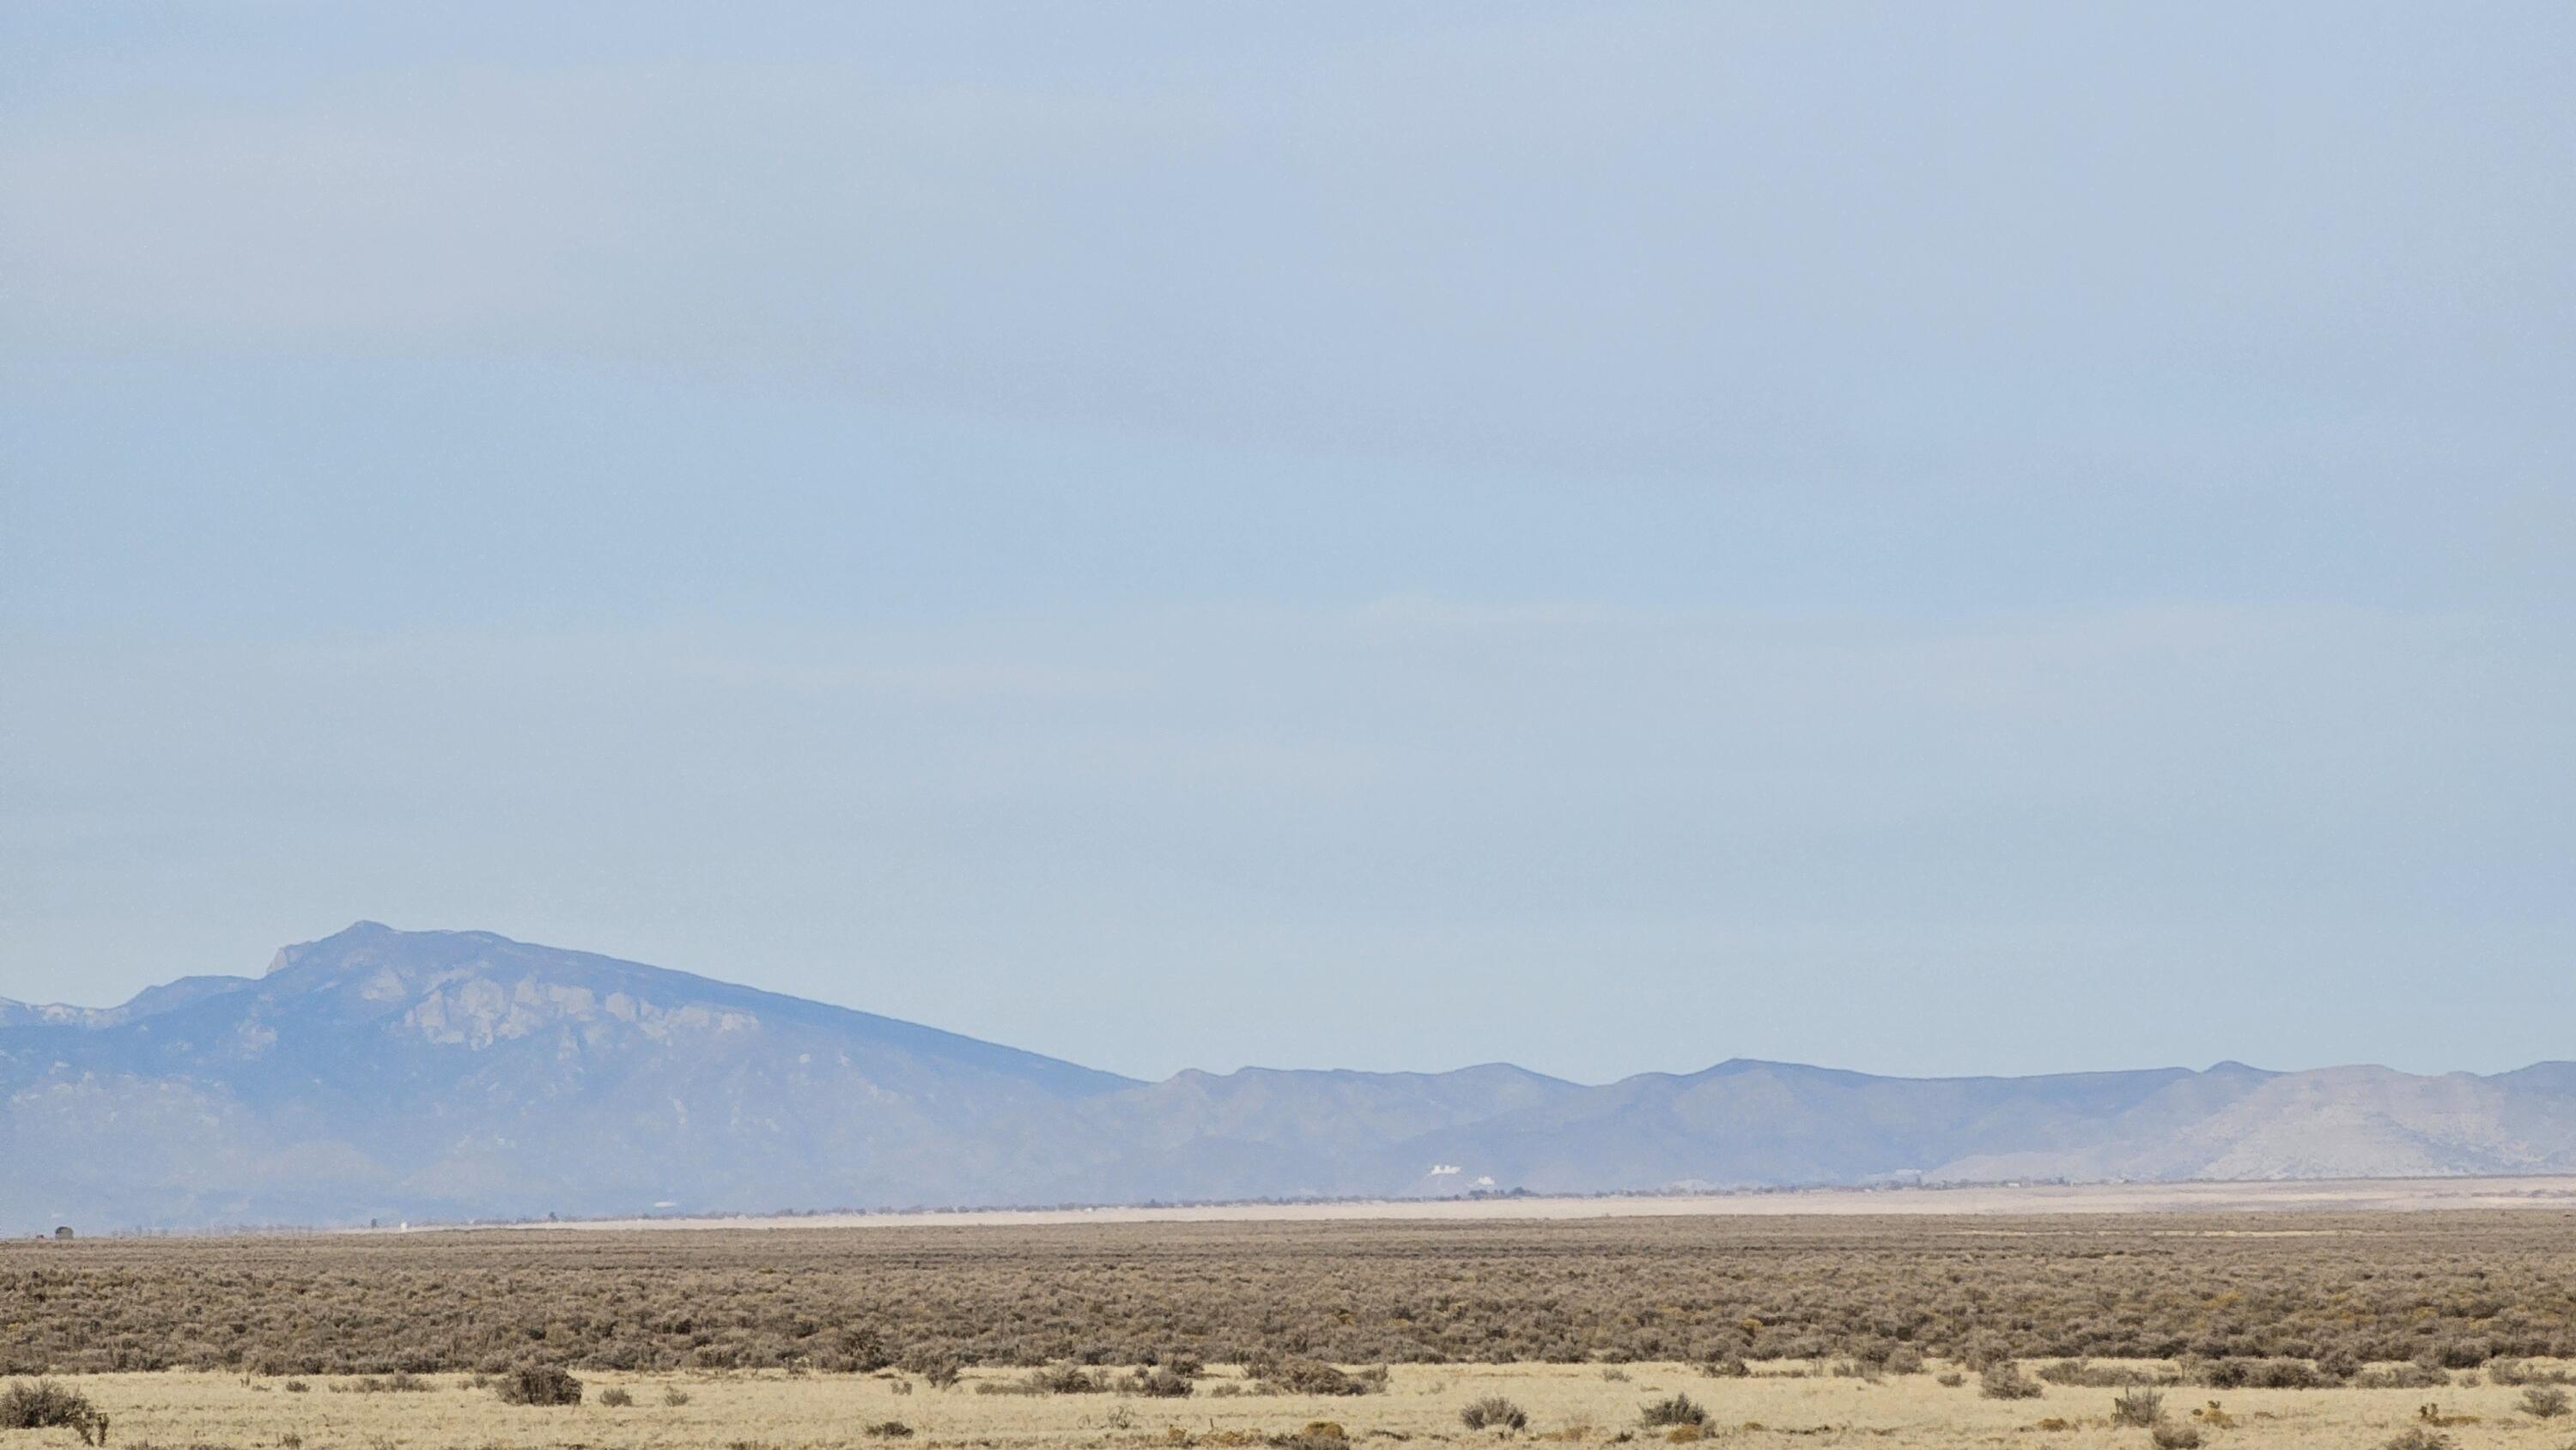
2335	1195
1566	1405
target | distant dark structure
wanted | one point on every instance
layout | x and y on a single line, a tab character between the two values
64	1232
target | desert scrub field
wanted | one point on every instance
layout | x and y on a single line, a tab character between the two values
1558	1405
2237	1296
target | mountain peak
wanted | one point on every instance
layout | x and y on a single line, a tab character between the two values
355	933
378	1072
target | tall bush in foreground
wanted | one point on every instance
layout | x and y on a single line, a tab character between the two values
45	1404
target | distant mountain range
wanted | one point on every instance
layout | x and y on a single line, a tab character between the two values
388	1074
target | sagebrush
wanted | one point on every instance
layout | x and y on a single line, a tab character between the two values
2416	1298
1493	1412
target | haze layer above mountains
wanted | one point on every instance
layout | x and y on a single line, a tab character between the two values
382	1074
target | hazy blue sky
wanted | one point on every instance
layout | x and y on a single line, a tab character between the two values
1924	538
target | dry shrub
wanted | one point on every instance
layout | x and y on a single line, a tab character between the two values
888	1430
2516	1373
2417	1437
1314	1377
1062	1379
2172	1436
44	1405
616	1397
1493	1412
1160	1382
2453	1287
2077	1374
857	1349
937	1368
674	1396
2545	1402
2138	1407
1984	1350
1679	1410
2005	1381
2458	1353
2261	1374
540	1384
2402	1377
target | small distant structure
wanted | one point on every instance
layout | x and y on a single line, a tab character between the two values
64	1232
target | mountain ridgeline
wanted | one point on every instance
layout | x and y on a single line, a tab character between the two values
383	1074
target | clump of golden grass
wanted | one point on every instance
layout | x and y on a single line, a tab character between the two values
1571	1407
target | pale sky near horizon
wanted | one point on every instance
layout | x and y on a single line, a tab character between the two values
1925	539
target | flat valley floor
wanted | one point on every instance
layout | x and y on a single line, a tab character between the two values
1786	1330
2340	1195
